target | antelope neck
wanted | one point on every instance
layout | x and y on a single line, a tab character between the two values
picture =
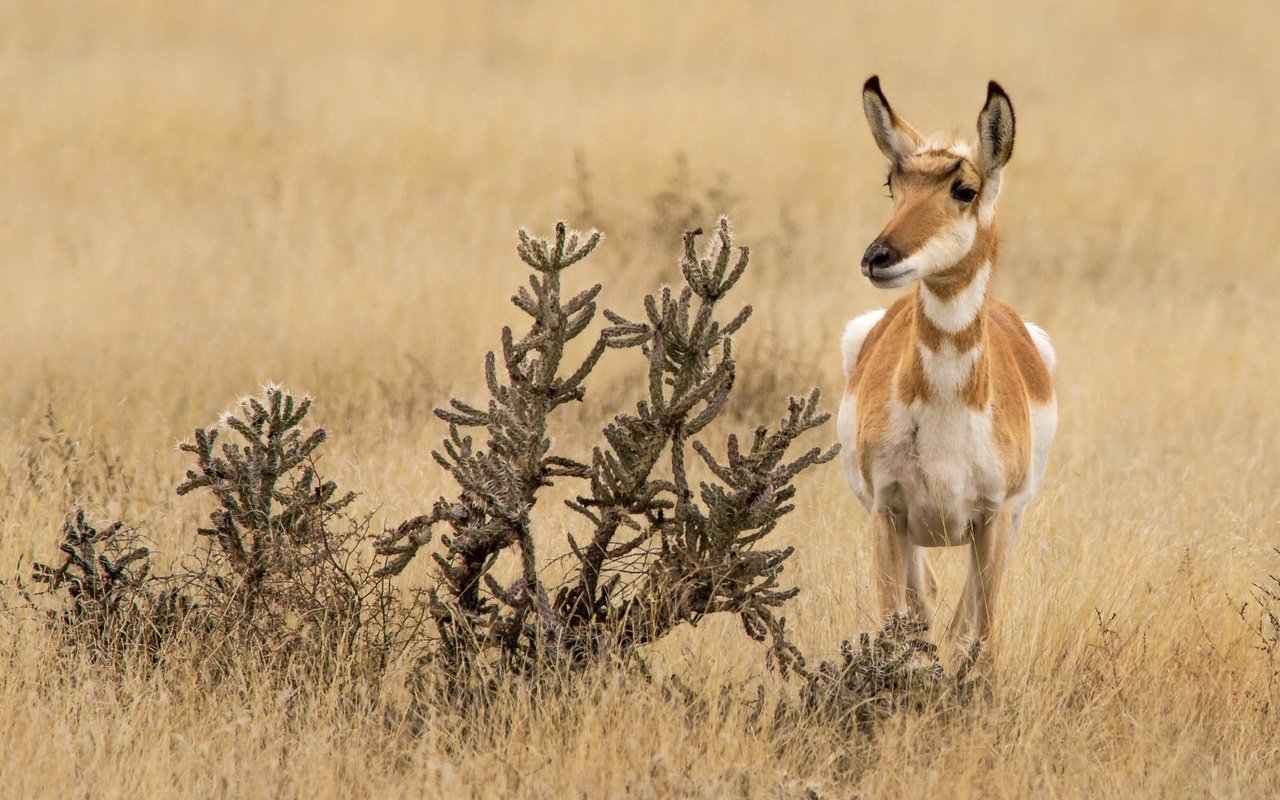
947	359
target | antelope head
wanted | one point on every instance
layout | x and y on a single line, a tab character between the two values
944	193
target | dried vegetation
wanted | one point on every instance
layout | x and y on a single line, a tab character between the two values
288	580
199	198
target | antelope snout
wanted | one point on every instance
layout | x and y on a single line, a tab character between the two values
879	256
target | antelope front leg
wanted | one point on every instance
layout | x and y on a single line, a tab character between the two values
891	548
991	543
958	631
922	585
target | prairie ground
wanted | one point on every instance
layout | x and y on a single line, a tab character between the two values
198	198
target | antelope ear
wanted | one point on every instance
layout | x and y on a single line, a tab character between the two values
893	135
996	127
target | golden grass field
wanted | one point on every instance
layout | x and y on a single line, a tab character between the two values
196	199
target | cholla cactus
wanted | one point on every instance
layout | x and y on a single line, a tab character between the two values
699	558
262	521
104	585
103	572
288	576
684	553
287	579
896	671
500	483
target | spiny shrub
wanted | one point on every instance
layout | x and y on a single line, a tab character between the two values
656	548
897	670
105	581
672	526
287	576
262	525
98	584
287	564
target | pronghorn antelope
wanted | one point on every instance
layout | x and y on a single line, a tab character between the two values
949	409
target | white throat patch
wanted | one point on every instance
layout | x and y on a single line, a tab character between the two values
959	311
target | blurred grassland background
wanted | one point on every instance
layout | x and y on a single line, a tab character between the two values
196	198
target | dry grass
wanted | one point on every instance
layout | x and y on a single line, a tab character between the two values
194	200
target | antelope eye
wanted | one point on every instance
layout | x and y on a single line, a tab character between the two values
963	193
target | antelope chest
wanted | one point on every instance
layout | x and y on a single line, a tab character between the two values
938	468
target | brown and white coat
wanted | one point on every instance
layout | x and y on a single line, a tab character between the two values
949	409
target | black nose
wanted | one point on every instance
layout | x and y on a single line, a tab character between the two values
878	256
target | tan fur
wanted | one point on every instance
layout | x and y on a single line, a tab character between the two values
921	190
977	359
